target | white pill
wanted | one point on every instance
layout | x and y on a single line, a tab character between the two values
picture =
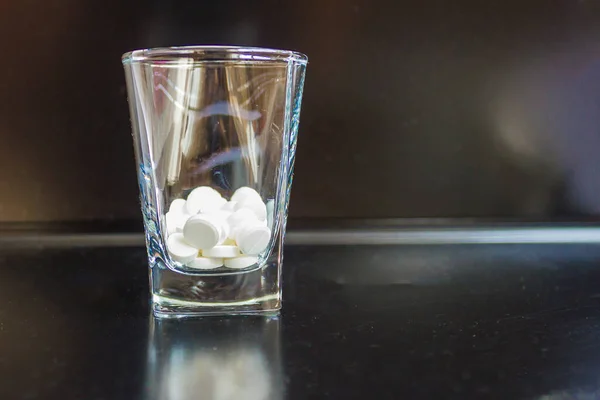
202	231
253	239
256	206
203	191
171	223
240	262
215	205
179	250
229	206
245	193
229	242
175	221
204	205
239	217
203	199
206	263
234	232
270	213
178	206
222	251
222	216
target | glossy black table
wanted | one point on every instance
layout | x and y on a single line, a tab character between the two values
372	322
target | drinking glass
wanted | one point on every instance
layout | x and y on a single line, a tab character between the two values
214	131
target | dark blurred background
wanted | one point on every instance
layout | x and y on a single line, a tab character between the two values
412	108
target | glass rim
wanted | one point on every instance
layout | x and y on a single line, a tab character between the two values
210	54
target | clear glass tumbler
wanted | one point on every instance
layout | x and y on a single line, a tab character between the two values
214	132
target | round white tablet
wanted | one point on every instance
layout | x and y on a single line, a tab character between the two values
229	242
203	191
255	205
205	205
240	262
253	239
206	263
222	216
203	199
178	206
229	206
222	251
202	231
170	223
244	193
270	213
175	221
239	218
215	205
179	250
235	232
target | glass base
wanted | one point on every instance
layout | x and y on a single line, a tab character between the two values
177	294
165	307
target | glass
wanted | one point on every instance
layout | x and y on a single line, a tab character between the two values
214	132
220	358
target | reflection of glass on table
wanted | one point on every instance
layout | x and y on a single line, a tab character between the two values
214	359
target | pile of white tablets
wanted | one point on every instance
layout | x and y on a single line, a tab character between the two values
206	231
